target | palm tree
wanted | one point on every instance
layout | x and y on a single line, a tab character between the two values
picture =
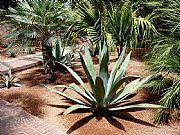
91	20
41	18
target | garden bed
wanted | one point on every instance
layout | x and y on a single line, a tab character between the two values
37	100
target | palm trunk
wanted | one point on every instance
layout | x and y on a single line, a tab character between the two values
48	60
118	52
119	49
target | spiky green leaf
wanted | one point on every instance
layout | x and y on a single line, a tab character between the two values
129	89
103	66
113	72
76	76
88	75
122	69
89	63
118	85
140	105
74	107
100	91
67	96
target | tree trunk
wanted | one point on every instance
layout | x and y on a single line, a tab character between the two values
119	49
48	60
118	52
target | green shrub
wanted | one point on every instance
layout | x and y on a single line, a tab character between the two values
164	61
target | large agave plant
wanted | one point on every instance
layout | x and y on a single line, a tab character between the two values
107	93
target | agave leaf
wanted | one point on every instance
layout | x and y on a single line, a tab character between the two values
77	89
16	85
117	103
76	76
74	107
114	71
60	86
122	68
129	89
117	85
118	95
90	64
140	105
9	74
103	69
67	96
13	79
100	91
88	74
7	80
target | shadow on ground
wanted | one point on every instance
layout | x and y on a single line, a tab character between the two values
112	119
29	102
32	77
36	76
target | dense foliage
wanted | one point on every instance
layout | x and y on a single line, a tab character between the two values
164	60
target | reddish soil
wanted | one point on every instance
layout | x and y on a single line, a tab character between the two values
37	100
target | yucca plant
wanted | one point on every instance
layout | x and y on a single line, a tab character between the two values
107	92
120	24
7	80
129	28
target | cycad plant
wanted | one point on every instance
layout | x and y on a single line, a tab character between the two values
106	93
42	18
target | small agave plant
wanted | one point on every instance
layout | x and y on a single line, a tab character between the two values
60	56
7	80
108	93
